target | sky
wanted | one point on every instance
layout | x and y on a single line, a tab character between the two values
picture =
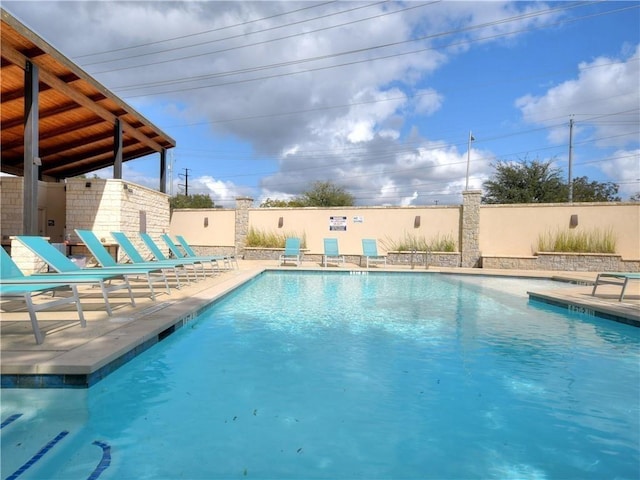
380	98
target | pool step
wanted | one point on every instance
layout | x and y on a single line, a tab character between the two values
29	457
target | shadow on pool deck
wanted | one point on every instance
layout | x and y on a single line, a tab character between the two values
72	356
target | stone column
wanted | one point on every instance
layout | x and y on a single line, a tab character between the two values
243	204
470	229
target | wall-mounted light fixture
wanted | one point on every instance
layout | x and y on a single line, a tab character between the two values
280	222
143	221
87	184
416	221
206	222
573	221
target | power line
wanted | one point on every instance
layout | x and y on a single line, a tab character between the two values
390	99
265	41
248	22
431	167
356	153
386	57
243	35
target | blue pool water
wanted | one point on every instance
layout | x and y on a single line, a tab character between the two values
337	376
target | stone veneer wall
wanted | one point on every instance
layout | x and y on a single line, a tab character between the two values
470	229
243	204
103	206
435	259
576	262
421	259
26	261
11	214
115	205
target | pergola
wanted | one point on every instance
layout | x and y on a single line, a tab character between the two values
58	122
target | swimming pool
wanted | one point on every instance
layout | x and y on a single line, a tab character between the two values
311	375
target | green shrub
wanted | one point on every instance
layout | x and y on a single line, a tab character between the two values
583	241
439	243
271	239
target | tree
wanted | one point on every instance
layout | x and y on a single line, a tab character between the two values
326	194
537	182
199	200
525	182
274	203
585	191
321	194
635	197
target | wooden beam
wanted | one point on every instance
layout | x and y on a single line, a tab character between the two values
52	80
105	151
89	164
50	112
6	146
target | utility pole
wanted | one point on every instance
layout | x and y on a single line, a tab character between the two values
171	172
570	159
185	185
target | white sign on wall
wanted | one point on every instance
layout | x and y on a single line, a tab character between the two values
338	224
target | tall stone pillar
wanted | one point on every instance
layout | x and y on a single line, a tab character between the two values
470	229
243	204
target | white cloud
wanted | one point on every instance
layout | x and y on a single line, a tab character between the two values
222	193
406	201
603	97
349	124
429	101
624	167
603	100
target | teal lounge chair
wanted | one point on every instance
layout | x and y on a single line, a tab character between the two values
104	258
291	252
331	252
176	252
56	260
228	260
615	278
136	257
161	257
13	283
370	252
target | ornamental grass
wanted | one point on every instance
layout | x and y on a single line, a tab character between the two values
583	241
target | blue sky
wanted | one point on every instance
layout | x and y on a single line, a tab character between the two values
264	98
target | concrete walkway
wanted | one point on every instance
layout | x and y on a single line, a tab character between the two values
76	356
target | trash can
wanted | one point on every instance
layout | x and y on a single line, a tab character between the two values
79	260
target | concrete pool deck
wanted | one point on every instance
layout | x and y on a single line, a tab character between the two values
72	356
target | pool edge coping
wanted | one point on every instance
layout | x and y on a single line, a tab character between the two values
55	374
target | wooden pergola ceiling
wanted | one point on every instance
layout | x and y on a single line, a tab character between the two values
77	115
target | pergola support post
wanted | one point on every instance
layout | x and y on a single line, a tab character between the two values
163	170
117	149
31	153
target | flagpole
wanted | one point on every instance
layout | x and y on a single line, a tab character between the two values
471	139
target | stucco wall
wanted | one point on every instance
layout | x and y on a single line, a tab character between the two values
367	222
503	230
204	227
514	229
313	223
